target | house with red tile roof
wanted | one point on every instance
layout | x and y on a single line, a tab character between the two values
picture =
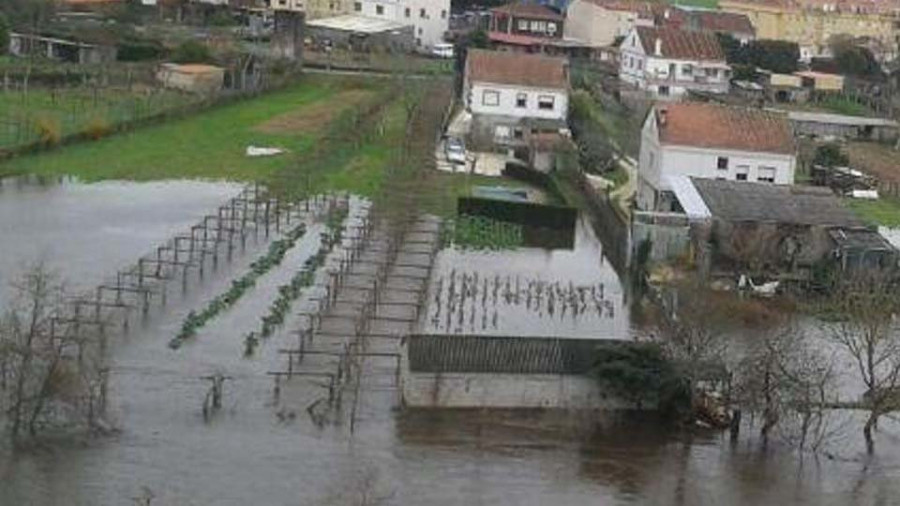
599	23
513	96
668	62
706	140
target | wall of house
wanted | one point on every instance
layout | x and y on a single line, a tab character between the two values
597	25
554	391
430	18
507	101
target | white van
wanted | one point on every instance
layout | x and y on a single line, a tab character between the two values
442	50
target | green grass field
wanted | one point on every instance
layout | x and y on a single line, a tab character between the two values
209	145
884	211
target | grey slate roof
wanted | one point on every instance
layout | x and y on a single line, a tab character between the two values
764	202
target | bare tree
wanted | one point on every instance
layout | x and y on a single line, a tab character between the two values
47	366
784	377
869	337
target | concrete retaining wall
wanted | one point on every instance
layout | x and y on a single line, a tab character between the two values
484	390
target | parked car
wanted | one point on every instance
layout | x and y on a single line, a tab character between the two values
442	50
455	150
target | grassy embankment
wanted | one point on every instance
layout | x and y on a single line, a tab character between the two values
340	133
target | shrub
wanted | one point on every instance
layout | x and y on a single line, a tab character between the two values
97	127
192	51
830	155
48	130
639	373
139	51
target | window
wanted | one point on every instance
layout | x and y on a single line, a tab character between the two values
522	100
444	14
640	64
687	70
501	132
379	9
523	25
357	6
663	91
420	30
722	163
766	174
517	133
545	102
422	13
406	12
741	172
490	97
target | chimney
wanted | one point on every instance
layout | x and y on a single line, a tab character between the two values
657	47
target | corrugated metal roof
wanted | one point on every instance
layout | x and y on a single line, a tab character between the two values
739	201
355	23
690	200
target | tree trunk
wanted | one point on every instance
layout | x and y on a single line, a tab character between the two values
867	431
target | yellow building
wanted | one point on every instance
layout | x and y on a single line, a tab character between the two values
811	23
316	9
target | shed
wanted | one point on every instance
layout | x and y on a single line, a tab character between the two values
362	32
816	124
820	81
193	77
785	228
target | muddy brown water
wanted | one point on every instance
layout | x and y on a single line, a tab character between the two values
248	454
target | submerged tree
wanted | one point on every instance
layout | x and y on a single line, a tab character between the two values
868	335
50	370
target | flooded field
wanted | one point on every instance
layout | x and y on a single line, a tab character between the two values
259	451
88	231
529	292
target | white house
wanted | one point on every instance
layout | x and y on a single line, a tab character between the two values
513	96
711	141
668	62
430	18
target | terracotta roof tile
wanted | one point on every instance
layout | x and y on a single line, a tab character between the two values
720	22
681	44
715	126
502	67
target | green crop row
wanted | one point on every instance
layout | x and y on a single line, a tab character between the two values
303	279
277	250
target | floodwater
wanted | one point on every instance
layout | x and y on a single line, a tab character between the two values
258	451
535	292
88	231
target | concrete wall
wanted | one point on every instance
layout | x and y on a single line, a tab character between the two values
668	233
208	81
595	24
287	41
506	391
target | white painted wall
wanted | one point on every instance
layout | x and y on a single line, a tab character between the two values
657	162
506	391
430	18
475	95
